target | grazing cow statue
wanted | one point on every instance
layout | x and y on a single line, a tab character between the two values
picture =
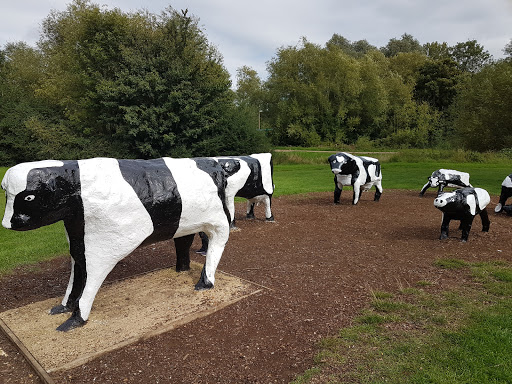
110	207
446	178
463	204
506	192
252	181
361	172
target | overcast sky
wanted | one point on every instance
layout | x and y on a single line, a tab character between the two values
249	32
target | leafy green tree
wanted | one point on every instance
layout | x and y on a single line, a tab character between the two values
19	74
356	49
470	56
135	84
483	109
438	51
406	43
437	83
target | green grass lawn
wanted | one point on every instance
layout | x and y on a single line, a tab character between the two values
419	336
19	248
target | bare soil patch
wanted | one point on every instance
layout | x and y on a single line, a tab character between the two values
319	261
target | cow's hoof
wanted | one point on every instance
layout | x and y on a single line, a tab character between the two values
73	322
337	203
463	240
270	219
250	216
183	268
58	309
203	282
443	236
498	208
201	252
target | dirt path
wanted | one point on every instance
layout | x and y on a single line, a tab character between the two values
318	262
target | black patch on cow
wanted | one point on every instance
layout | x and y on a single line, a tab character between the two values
366	164
156	188
218	175
254	185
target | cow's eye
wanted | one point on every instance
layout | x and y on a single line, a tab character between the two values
30	198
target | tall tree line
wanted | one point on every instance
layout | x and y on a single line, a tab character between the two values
404	94
108	83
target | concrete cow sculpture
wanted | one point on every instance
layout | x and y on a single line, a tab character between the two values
361	172
446	178
252	181
506	192
110	207
463	204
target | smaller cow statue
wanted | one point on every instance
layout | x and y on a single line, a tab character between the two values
253	180
506	192
463	204
361	172
446	178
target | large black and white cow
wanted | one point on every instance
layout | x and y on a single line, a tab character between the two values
446	178
361	172
252	181
110	207
463	204
506	192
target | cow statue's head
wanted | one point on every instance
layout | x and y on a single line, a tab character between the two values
446	198
340	163
39	193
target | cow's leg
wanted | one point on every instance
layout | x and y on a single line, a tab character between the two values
204	243
505	193
425	187
466	223
337	191
250	209
267	200
78	276
97	270
378	190
357	193
445	225
218	239
486	223
182	246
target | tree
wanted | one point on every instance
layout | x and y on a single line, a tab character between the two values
437	83
135	84
470	56
406	43
483	109
356	49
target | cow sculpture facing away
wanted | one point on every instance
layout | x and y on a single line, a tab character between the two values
110	207
361	172
446	178
463	204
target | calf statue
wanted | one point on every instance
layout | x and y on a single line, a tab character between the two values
253	181
446	178
361	172
463	204
506	192
110	207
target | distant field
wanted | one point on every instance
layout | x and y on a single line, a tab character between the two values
305	172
